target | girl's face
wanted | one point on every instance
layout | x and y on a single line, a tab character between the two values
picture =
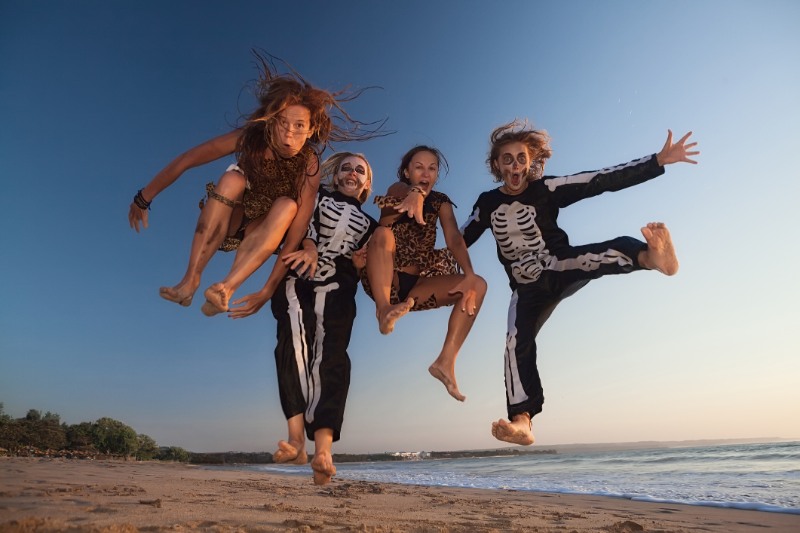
351	179
423	170
291	130
513	164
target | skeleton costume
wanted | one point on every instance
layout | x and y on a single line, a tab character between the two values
415	246
542	267
315	317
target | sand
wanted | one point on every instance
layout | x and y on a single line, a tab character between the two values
85	495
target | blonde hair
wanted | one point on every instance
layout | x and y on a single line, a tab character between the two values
332	165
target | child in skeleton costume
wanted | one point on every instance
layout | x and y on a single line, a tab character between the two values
406	273
315	308
268	195
542	267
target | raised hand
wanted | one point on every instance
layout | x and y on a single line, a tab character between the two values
678	152
136	216
412	206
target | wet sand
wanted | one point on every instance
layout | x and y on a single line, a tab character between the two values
49	495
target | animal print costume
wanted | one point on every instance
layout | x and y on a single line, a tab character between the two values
272	179
542	267
415	246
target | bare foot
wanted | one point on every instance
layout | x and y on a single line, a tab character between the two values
391	315
293	453
175	294
518	431
660	254
448	380
322	465
216	300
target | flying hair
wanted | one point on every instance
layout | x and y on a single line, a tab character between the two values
537	143
278	88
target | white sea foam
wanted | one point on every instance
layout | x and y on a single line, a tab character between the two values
763	477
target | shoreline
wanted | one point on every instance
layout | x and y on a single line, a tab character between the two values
48	495
286	470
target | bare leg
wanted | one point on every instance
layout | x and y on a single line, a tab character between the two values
380	271
261	240
458	327
212	227
660	254
293	451
518	431
322	463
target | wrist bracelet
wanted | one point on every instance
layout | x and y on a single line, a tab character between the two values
418	189
140	202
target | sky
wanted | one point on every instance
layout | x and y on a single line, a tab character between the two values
96	97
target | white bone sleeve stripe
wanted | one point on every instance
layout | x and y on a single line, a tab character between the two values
525	226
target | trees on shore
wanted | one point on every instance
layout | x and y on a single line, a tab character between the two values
37	434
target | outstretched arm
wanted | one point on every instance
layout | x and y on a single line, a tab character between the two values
251	303
453	238
457	246
566	190
678	152
199	155
304	261
412	203
475	225
299	227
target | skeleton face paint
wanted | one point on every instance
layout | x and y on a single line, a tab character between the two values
513	164
351	178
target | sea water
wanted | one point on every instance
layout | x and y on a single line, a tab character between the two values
764	476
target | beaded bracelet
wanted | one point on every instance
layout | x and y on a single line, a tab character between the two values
140	202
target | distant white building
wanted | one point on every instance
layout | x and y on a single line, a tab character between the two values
412	456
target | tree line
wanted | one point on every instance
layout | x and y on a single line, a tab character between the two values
45	434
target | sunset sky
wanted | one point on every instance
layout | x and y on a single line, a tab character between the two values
98	96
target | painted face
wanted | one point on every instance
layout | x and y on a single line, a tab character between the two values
351	179
513	164
292	129
423	170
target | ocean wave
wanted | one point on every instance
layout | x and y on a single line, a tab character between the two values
759	477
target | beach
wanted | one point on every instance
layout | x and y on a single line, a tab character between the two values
49	495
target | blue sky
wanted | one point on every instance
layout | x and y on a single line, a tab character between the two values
99	96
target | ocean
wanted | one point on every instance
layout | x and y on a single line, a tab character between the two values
763	476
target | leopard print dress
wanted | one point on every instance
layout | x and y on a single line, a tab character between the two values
415	246
272	179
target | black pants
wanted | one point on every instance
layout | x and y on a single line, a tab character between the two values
314	326
532	304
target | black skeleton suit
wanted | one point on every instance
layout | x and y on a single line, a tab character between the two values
315	317
542	267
